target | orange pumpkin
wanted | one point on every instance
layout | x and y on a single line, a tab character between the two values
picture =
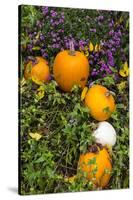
100	102
97	167
39	72
70	68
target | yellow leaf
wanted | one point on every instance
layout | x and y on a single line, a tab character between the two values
70	179
91	47
121	19
124	72
96	48
121	85
86	53
99	47
40	92
36	81
86	48
41	88
84	92
125	66
22	82
35	136
38	35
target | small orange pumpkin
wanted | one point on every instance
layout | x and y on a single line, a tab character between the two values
97	167
100	101
39	72
70	68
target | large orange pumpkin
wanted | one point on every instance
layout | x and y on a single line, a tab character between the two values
100	102
70	68
39	72
96	166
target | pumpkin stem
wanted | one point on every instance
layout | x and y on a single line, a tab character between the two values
107	94
113	93
72	50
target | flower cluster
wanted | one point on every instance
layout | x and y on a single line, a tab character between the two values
52	33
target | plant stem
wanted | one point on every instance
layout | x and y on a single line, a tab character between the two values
72	50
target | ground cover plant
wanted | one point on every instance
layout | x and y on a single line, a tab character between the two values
56	126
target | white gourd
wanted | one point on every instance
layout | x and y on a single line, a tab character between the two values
105	134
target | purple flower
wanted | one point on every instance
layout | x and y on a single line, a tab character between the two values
45	10
94	73
90	62
44	55
42	37
55	45
111	63
61	20
111	23
39	24
111	32
109	53
51	20
104	66
117	43
93	30
54	40
53	34
29	46
61	31
100	17
67	44
111	42
54	14
113	50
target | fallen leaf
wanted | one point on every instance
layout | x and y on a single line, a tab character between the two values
35	136
121	85
83	94
91	47
36	81
96	47
70	179
124	72
86	53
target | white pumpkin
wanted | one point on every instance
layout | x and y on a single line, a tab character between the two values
105	134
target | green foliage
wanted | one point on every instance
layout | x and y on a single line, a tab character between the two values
64	123
61	118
